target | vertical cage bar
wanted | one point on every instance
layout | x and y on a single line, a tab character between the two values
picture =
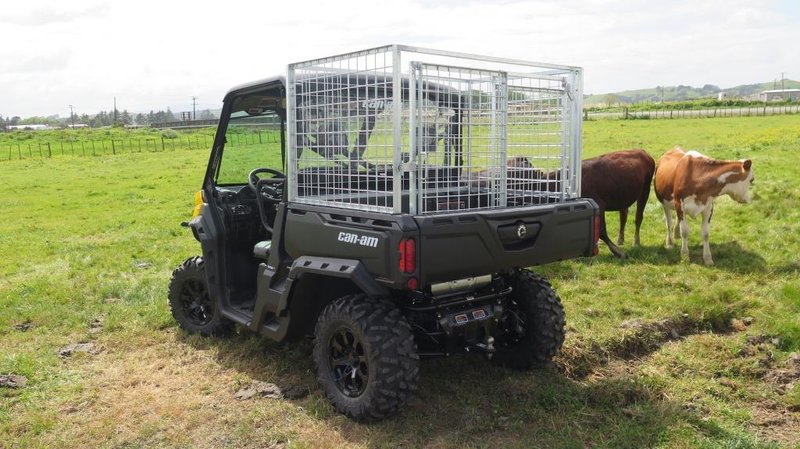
577	129
397	105
413	112
501	99
291	123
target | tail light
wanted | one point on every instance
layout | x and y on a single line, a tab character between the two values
596	236
408	256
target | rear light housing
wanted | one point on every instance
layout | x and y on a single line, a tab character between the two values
408	256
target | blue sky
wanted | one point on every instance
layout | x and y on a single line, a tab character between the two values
157	54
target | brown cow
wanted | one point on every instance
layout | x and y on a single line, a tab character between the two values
688	182
615	181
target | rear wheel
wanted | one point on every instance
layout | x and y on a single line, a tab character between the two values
193	308
531	330
366	358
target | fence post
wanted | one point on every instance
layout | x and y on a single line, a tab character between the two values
49	150
162	143
113	147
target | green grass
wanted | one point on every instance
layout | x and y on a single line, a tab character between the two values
85	238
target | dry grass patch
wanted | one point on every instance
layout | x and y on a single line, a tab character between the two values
164	390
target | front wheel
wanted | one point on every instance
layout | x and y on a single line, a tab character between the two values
193	308
531	330
366	357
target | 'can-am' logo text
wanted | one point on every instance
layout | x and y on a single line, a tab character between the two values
377	103
363	240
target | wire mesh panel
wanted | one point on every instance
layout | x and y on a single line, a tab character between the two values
406	130
342	138
459	131
540	160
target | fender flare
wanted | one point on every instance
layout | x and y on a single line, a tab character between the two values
340	268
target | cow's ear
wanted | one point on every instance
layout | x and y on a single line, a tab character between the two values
747	164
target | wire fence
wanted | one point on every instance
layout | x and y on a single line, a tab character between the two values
752	111
99	147
114	146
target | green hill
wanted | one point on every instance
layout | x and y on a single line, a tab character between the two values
682	93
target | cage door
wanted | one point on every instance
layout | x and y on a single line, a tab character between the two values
458	138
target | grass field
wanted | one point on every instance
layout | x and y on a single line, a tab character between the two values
658	353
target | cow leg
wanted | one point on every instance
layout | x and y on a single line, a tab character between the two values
604	235
623	218
668	219
706	233
640	205
684	225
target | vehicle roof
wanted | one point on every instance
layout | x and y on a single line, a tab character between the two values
278	80
358	81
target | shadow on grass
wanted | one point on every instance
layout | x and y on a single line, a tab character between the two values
728	256
466	401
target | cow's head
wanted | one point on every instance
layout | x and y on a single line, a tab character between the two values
737	184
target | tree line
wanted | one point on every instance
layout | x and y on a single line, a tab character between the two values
102	118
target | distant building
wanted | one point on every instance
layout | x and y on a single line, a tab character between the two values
721	96
29	127
780	95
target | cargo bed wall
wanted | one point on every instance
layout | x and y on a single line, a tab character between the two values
459	245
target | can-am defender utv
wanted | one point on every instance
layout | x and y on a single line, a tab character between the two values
389	211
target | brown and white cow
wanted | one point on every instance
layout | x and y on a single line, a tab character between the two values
688	182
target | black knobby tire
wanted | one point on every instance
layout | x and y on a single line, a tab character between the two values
193	308
366	358
532	326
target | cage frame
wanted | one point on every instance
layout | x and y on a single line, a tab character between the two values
570	77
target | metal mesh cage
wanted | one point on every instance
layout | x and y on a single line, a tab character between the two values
399	129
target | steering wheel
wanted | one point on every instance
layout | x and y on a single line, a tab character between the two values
266	189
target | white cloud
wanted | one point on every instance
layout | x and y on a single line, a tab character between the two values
153	54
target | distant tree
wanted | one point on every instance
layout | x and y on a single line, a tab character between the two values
2	123
611	99
206	114
140	119
100	119
15	120
169	116
126	118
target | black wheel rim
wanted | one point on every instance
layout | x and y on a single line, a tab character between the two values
348	362
196	304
